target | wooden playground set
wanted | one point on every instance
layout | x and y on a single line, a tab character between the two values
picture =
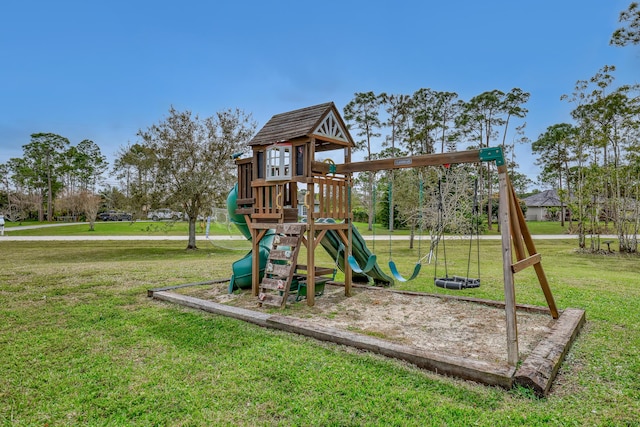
265	205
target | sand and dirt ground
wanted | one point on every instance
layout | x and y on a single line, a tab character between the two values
427	322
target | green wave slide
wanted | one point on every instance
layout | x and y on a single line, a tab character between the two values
331	243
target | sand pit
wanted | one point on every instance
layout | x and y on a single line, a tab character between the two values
458	336
431	323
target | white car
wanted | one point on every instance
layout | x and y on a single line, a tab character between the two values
160	214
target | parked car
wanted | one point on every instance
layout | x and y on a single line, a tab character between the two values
121	216
104	216
112	215
160	214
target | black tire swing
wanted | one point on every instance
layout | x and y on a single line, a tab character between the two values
458	282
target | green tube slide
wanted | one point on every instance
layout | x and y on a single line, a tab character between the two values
241	278
332	244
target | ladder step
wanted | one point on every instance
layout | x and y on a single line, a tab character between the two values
285	241
280	254
281	270
273	284
270	299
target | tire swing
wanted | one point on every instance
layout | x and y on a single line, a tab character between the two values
458	282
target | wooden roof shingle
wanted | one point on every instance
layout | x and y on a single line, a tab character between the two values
295	124
547	198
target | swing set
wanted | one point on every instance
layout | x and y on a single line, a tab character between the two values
372	259
515	234
446	282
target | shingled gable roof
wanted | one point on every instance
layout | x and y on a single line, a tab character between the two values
547	198
305	122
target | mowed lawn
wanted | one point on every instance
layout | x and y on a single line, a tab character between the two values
81	344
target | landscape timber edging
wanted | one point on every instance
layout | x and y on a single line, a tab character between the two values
475	370
536	372
539	369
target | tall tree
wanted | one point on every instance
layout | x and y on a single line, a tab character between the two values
134	166
397	108
194	157
41	167
82	167
630	33
553	147
447	109
90	164
607	119
363	114
423	122
481	119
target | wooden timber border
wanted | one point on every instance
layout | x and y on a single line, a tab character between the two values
536	372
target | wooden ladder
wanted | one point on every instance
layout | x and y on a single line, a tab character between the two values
281	265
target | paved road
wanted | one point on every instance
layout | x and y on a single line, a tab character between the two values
8	237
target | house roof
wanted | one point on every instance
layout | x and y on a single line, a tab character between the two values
545	198
321	121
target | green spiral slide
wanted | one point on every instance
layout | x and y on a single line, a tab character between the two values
241	278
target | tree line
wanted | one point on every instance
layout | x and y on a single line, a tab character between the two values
185	160
595	161
428	122
52	171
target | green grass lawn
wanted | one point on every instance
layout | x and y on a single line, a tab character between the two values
121	228
83	345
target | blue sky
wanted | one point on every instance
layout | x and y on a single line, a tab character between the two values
102	70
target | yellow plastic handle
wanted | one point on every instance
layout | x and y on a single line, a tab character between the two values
306	199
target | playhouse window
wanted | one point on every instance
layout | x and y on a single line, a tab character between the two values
260	161
300	160
278	163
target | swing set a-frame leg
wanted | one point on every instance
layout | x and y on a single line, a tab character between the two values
509	288
515	231
519	224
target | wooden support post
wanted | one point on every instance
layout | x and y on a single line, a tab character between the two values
255	262
531	248
509	288
348	272
311	234
516	232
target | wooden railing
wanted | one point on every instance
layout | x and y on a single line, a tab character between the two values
268	200
245	172
332	197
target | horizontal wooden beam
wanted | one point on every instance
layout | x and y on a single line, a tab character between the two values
470	156
527	262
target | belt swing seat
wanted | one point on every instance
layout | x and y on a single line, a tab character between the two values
392	265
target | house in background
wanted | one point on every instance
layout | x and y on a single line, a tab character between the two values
539	205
